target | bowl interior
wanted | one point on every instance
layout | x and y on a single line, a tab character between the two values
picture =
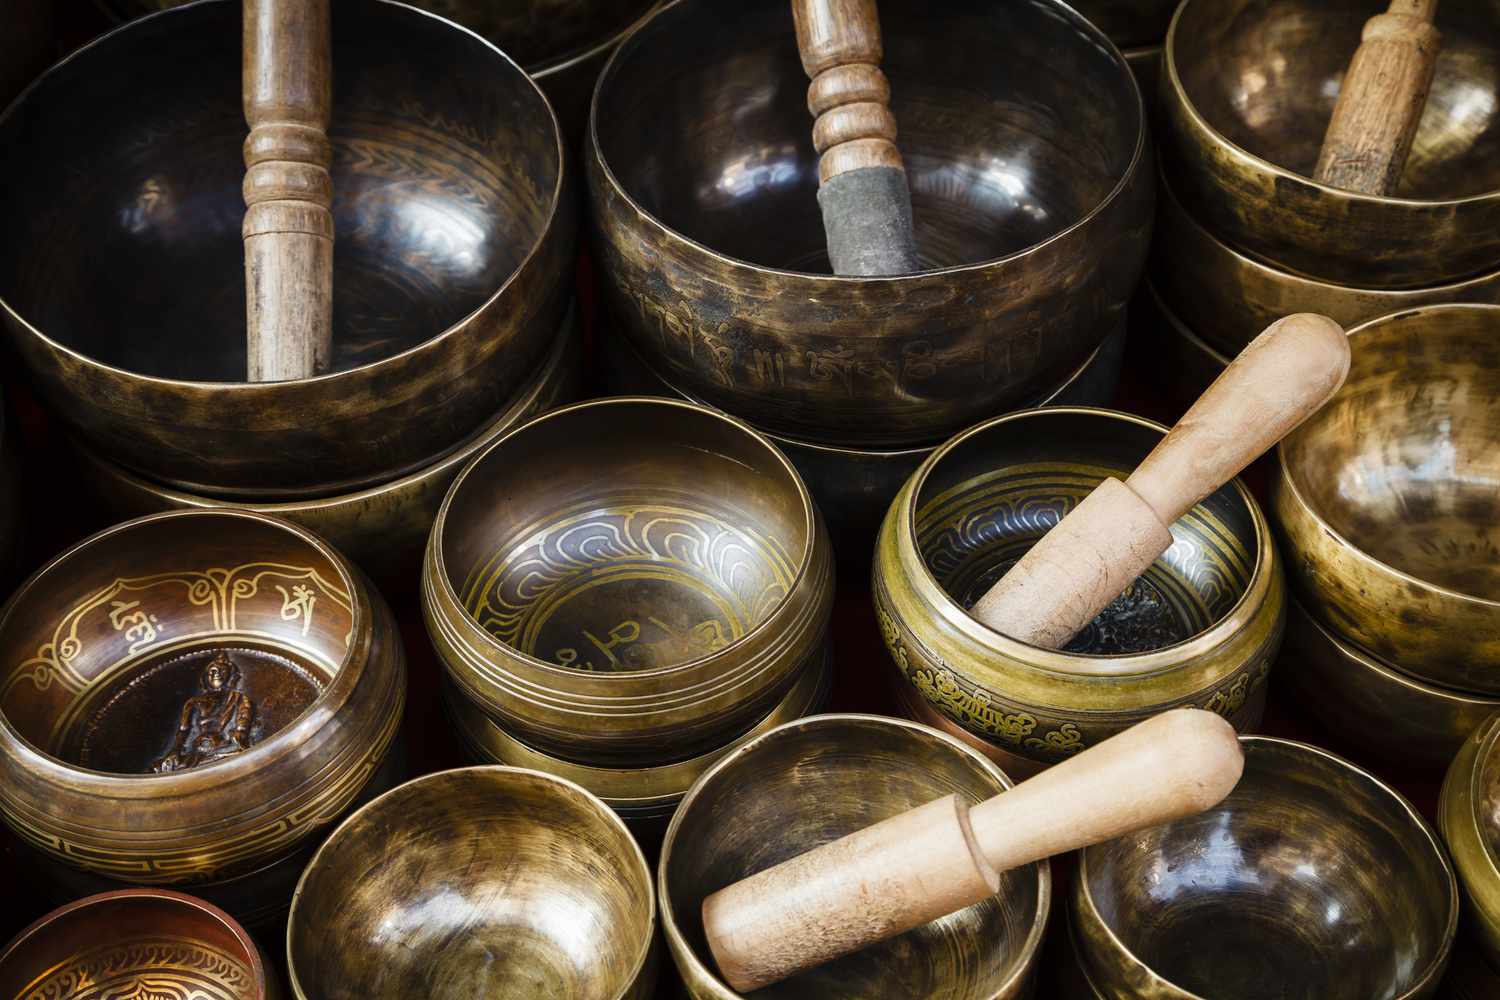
819	779
1265	74
628	535
483	882
989	499
1404	463
702	116
173	642
123	189
1311	881
132	945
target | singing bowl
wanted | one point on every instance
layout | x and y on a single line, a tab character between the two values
1200	628
480	882
1390	496
1031	191
130	749
382	529
654	582
1248	87
1311	880
1469	815
122	275
1371	704
135	943
809	782
1228	298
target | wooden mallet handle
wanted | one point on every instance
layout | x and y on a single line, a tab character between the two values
1381	100
288	229
1094	553
944	856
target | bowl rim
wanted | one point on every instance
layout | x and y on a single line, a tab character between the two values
805	562
567	60
1056	662
285	742
678	944
1244	157
501	771
256	964
555	208
1429	975
1297	495
1138	157
1486	755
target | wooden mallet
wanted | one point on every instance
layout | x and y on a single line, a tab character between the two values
944	856
288	228
862	187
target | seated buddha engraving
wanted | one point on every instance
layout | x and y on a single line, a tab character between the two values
213	724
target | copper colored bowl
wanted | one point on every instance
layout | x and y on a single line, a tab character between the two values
1248	87
812	781
122	274
1390	495
190	698
1469	814
480	882
1026	148
1311	880
135	943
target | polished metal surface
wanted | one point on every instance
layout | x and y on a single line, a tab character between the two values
122	276
1469	814
810	782
481	882
1311	881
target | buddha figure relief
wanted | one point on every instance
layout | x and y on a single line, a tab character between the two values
215	723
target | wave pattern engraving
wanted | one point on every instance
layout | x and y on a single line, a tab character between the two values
147	969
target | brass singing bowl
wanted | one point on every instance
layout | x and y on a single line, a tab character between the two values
1200	628
1311	880
1372	704
1031	190
1129	23
1184	363
129	749
1248	87
480	882
813	781
383	529
1390	496
629	581
1469	815
135	943
122	274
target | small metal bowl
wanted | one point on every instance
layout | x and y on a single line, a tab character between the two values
1204	623
122	274
1372	704
1248	87
384	528
1390	496
1031	192
188	698
628	582
1312	879
812	781
1469	815
480	882
135	943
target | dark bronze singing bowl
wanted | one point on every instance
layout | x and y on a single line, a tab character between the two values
187	698
1469	814
1390	496
1311	881
135	944
122	276
1031	187
1248	88
813	781
628	581
482	882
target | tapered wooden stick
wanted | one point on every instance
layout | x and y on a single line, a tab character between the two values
1381	100
1094	553
288	228
944	856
